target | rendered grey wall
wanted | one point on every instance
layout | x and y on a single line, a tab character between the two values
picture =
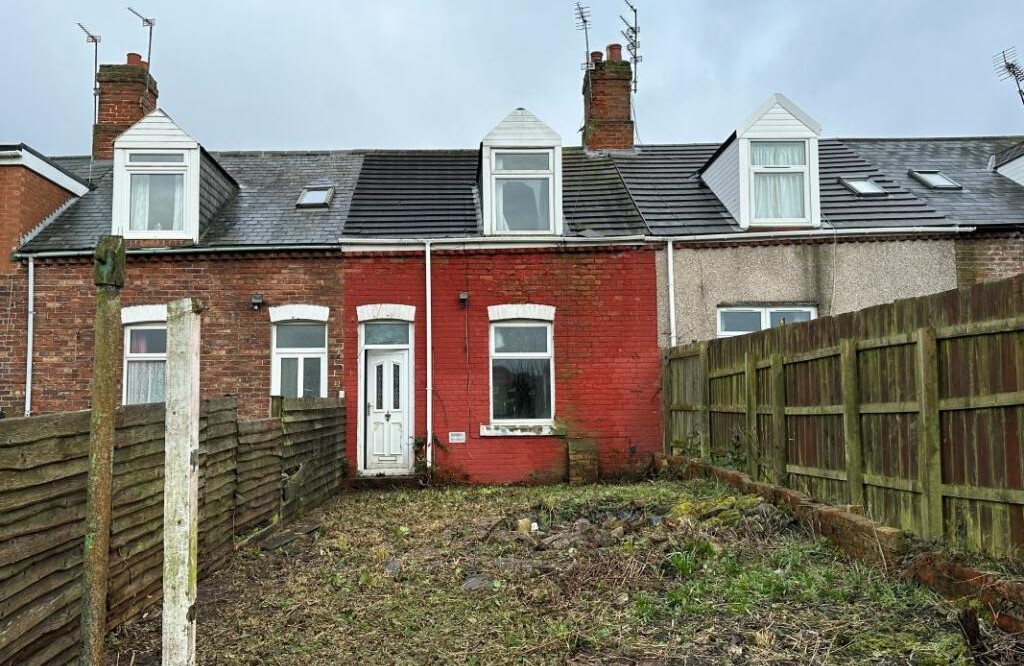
834	277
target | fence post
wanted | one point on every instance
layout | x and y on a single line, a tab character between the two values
929	462
705	415
181	483
750	379
108	274
851	420
779	454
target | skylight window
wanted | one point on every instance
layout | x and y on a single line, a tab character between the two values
315	197
935	180
864	187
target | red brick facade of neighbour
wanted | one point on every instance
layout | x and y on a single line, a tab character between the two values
989	257
606	359
26	199
236	339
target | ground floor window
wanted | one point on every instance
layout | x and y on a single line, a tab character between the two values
300	360
145	359
522	377
740	320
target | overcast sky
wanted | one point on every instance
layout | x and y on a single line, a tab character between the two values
304	74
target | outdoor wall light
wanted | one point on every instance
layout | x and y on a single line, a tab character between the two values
464	298
256	300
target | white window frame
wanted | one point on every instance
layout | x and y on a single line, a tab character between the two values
124	169
549	355
128	356
300	353
765	311
512	175
804	169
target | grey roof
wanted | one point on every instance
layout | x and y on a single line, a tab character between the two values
987	198
416	194
653	190
264	212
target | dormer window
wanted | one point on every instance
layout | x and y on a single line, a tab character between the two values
779	181
521	177
766	172
522	191
156	181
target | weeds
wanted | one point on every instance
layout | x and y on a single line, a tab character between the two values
655	572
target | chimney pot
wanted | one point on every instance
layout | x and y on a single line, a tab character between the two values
615	53
136	59
595	56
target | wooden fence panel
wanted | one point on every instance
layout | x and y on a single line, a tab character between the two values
43	462
914	409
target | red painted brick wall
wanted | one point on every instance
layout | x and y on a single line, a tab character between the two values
26	199
607	367
236	339
988	257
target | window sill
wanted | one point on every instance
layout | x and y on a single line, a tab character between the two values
518	430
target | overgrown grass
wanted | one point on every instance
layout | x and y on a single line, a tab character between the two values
659	572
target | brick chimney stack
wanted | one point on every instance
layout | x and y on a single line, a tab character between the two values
608	117
127	93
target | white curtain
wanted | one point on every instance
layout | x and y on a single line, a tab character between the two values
140	202
778	153
778	196
145	382
522	204
179	198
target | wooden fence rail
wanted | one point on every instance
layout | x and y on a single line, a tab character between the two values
243	487
914	410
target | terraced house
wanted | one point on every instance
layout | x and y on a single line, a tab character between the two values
480	306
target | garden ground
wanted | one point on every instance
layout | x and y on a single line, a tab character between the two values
659	572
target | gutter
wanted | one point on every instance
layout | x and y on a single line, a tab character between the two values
815	233
30	334
429	294
144	251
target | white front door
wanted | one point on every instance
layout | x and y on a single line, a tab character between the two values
387	441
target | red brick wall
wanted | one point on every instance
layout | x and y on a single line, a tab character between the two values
607	366
235	339
127	93
26	199
985	258
608	119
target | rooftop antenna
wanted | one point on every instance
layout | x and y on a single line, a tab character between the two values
583	23
1008	67
95	41
632	36
147	23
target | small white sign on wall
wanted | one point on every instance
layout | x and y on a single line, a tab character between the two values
456	438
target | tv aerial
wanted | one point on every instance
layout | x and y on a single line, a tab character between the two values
1007	66
146	23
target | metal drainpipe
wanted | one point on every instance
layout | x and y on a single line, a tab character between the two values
30	334
670	267
430	357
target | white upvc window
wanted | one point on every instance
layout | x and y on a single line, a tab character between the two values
522	373
299	368
145	362
156	193
523	187
780	187
740	320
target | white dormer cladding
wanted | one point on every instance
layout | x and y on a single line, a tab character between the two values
767	176
521	177
156	181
